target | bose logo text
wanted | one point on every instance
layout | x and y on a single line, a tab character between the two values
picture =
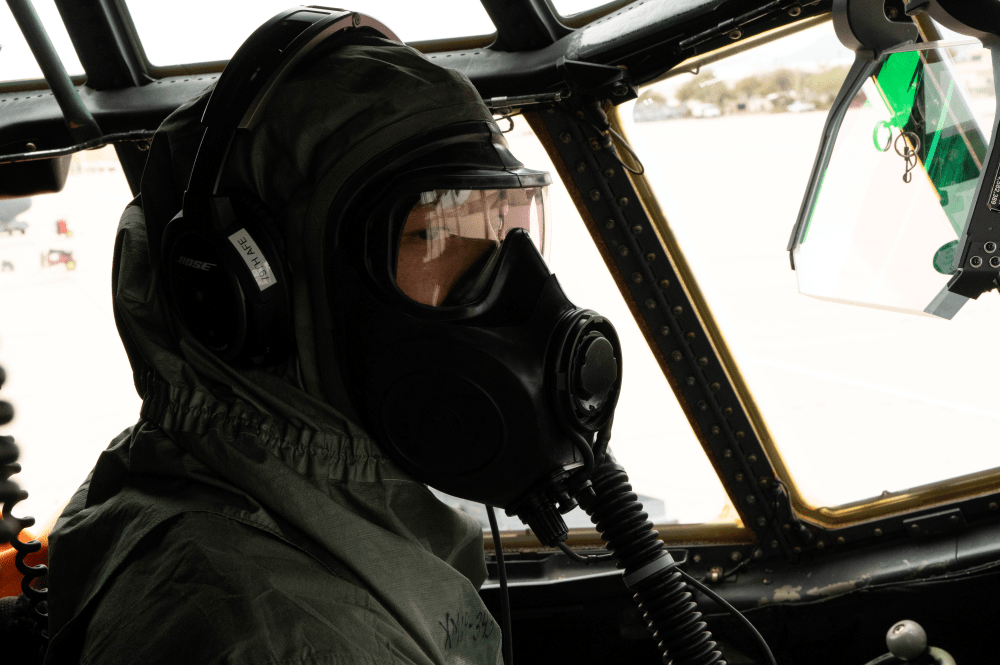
197	265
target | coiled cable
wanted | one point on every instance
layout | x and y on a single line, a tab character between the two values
11	495
668	608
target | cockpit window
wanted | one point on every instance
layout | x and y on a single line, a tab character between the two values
860	403
67	374
16	61
220	30
571	7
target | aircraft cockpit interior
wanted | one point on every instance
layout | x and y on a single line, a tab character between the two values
686	313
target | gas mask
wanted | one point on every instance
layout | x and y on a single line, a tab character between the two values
460	352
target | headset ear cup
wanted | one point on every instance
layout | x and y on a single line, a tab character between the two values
269	321
202	291
229	289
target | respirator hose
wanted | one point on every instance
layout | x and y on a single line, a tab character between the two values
668	608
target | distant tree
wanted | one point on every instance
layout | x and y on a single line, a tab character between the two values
825	83
782	80
751	86
705	87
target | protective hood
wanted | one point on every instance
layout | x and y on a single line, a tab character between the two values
268	446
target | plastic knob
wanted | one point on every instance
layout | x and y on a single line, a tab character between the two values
906	640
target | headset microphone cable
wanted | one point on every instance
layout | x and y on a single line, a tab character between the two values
508	650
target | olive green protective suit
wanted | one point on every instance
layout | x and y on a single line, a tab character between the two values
244	519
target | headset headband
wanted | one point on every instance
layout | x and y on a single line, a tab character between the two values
252	76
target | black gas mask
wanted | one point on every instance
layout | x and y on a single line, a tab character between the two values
460	352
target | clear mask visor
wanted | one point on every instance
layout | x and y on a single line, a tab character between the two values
884	222
450	241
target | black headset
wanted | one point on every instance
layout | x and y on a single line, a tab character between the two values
222	269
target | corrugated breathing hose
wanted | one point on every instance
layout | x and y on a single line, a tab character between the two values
669	609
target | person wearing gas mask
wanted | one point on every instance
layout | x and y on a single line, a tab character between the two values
302	298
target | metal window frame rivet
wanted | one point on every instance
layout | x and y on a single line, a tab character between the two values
797	549
840	540
566	137
594	144
740	434
821	545
727	453
696	558
609	172
794	11
703	405
735	34
914	527
623	201
739	479
650	257
665	330
735	556
595	195
703	361
637	229
751	458
691	335
993	505
764	481
677	310
677	355
774	544
623	250
715	429
637	278
758	553
715	387
877	532
650	303
691	381
751	498
609	223
581	167
728	411
761	521
619	89
664	283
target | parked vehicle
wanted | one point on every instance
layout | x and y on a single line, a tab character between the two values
9	226
56	256
706	111
800	107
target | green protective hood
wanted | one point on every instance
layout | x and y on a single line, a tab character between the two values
265	447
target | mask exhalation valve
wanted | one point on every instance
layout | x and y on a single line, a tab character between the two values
588	376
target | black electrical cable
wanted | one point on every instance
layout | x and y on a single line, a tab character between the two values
508	650
587	450
135	136
757	548
588	559
732	610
